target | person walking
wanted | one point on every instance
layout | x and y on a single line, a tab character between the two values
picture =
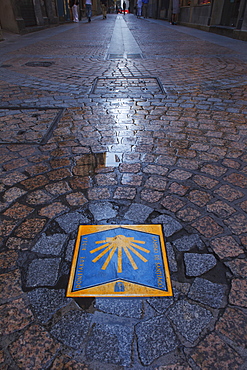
175	11
145	8
103	4
139	8
124	7
88	9
73	4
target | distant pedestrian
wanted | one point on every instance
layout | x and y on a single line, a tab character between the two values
139	8
103	4
145	8
124	7
73	4
175	11
88	9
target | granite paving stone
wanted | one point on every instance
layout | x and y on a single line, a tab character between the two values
13	178
237	223
124	193
206	292
10	286
205	182
155	337
34	349
102	211
172	203
151	196
180	175
199	198
171	257
13	194
189	319
8	260
131	179
18	211
237	179
197	264
160	304
66	362
45	302
156	183
34	182
170	225
138	213
14	316
52	244
238	267
214	352
70	221
127	307
188	242
110	342
188	214
38	197
7	227
30	228
42	272
221	209
207	226
226	246
232	325
72	328
98	193
76	199
238	292
229	193
69	250
58	188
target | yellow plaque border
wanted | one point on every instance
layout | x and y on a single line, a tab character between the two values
107	289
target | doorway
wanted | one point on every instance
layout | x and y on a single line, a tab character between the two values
230	13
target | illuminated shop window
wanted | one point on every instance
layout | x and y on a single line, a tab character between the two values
204	2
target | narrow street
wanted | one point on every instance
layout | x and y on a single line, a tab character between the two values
123	121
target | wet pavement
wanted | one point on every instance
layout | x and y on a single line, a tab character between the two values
123	121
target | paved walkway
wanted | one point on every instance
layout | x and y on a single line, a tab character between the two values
123	121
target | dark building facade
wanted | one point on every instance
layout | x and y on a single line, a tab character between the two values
226	17
18	15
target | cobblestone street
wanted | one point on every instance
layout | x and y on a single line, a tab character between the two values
123	121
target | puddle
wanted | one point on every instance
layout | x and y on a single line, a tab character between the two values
89	164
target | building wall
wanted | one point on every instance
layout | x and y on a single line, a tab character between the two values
18	15
10	18
226	17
